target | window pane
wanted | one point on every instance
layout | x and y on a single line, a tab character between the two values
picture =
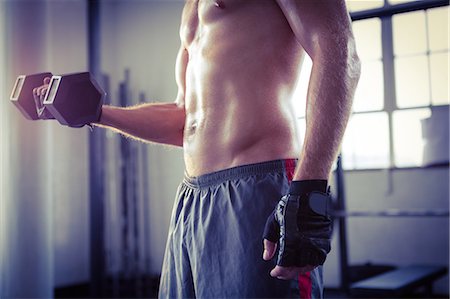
358	5
393	2
409	33
408	142
369	93
435	135
301	126
412	82
366	141
299	97
438	28
439	69
368	38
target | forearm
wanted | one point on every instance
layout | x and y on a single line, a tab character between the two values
161	123
330	94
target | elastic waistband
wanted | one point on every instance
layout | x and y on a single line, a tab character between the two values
238	172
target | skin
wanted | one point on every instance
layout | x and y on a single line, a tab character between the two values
236	71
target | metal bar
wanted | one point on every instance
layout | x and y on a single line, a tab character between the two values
96	172
390	103
124	154
391	213
112	282
390	10
343	247
145	198
135	218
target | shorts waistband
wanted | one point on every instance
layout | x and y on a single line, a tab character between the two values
217	177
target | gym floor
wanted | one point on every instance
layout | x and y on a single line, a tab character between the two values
82	291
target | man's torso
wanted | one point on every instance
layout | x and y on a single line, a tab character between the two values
242	67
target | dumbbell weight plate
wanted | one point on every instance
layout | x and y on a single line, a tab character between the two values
74	99
22	93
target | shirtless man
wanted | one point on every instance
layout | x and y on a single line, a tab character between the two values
236	71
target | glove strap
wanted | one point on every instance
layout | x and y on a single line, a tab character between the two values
306	186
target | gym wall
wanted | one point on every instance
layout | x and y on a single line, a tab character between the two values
44	236
400	241
142	36
26	234
67	53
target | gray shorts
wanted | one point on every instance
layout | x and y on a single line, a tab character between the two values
214	248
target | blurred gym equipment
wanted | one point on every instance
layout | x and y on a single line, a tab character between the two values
380	281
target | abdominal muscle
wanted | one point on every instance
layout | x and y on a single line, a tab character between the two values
232	121
239	83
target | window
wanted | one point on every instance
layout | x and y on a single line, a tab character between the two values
369	94
358	5
393	2
420	46
299	98
366	143
385	129
408	142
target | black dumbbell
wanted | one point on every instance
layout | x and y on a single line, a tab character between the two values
74	99
22	95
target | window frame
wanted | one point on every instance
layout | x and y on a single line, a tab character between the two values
385	15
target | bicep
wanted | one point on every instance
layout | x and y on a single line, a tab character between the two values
180	74
319	26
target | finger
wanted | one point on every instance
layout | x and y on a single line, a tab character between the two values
284	272
42	90
269	250
290	272
47	80
39	89
35	95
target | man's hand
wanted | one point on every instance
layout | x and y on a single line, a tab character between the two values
39	95
302	227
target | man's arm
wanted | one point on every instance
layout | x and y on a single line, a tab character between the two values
323	28
159	122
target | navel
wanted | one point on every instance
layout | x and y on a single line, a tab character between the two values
192	127
219	4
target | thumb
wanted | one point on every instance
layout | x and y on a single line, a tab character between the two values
269	250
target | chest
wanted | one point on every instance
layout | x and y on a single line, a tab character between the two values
200	13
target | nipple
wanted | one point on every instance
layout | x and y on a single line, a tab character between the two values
219	4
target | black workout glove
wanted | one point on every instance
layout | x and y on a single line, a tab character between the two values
301	225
